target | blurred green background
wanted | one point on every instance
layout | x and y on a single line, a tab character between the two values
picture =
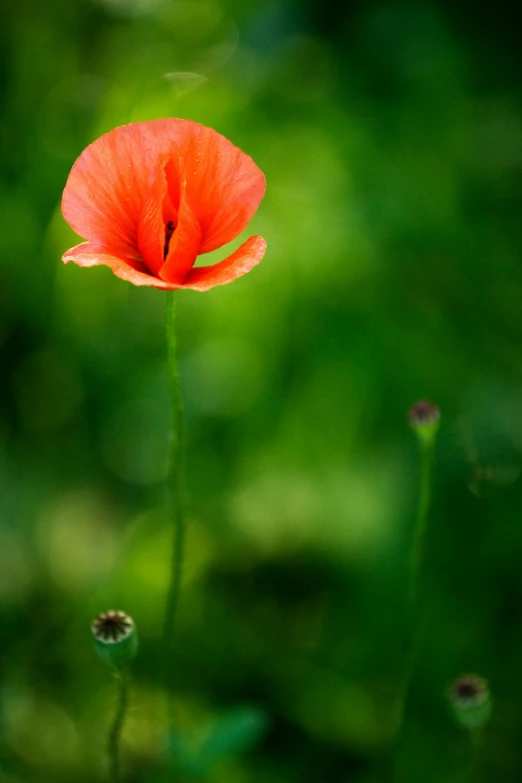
391	138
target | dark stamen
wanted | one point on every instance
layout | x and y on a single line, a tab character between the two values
169	230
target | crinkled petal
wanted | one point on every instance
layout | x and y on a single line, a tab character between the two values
239	263
90	254
224	186
184	243
151	223
108	186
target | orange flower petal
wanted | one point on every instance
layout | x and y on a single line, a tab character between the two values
224	185
152	220
250	253
108	187
184	243
90	254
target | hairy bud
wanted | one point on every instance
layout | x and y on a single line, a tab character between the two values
424	419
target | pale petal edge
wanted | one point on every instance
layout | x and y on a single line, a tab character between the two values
202	278
87	254
245	258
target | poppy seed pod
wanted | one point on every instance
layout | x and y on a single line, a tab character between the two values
115	638
424	419
470	701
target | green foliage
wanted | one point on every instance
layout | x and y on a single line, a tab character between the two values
230	734
390	135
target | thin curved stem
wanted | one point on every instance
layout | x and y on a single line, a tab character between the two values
113	745
419	533
416	561
475	741
175	478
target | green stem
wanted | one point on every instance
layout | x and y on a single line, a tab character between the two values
416	561
419	533
475	742
113	745
175	478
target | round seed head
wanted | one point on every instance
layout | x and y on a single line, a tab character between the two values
470	700
115	638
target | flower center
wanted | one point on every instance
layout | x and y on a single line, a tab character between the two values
169	230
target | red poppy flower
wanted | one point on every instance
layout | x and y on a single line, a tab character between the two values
149	197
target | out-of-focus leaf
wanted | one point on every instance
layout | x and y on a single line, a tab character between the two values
185	81
231	733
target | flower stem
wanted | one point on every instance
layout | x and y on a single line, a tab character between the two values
419	533
113	745
416	560
475	742
175	478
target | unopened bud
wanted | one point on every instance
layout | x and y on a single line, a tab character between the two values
424	419
115	638
470	701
